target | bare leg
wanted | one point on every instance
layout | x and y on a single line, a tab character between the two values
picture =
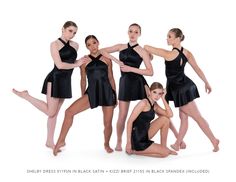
78	106
123	111
107	120
175	132
182	130
161	123
48	108
51	126
156	150
192	110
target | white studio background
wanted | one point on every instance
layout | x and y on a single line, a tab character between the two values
28	27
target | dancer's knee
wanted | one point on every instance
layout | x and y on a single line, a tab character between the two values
51	113
165	120
68	113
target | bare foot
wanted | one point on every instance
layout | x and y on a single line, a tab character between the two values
216	146
175	147
172	152
118	147
182	145
22	94
57	148
49	145
108	149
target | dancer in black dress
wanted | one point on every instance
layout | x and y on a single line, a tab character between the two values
57	85
180	88
100	92
141	127
132	85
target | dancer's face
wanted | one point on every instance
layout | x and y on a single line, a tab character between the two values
69	32
92	45
134	33
156	94
171	39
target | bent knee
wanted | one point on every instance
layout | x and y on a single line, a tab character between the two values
165	120
51	113
69	113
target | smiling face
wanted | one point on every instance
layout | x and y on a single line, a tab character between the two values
134	32
69	32
92	45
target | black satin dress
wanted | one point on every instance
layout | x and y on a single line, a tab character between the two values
180	88
100	92
139	136
131	85
61	78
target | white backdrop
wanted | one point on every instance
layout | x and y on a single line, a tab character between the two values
28	27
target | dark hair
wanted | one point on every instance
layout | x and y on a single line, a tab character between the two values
69	23
156	85
137	25
178	33
90	37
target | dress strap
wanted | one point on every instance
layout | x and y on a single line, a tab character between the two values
175	48
181	53
93	58
150	103
63	41
132	46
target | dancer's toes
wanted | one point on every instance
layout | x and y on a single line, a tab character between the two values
108	149
172	152
57	148
118	148
50	145
175	147
22	94
216	146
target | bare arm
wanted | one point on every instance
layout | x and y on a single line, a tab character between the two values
106	52
82	79
164	112
57	60
136	111
198	70
110	74
147	62
167	55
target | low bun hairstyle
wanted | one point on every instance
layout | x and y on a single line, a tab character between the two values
178	33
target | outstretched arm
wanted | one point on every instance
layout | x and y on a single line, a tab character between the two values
158	51
106	52
198	70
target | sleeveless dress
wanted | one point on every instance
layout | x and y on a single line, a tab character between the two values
139	136
131	85
100	92
180	88
61	78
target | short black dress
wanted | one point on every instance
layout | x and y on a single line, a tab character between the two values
61	78
139	136
180	88
131	85
100	92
